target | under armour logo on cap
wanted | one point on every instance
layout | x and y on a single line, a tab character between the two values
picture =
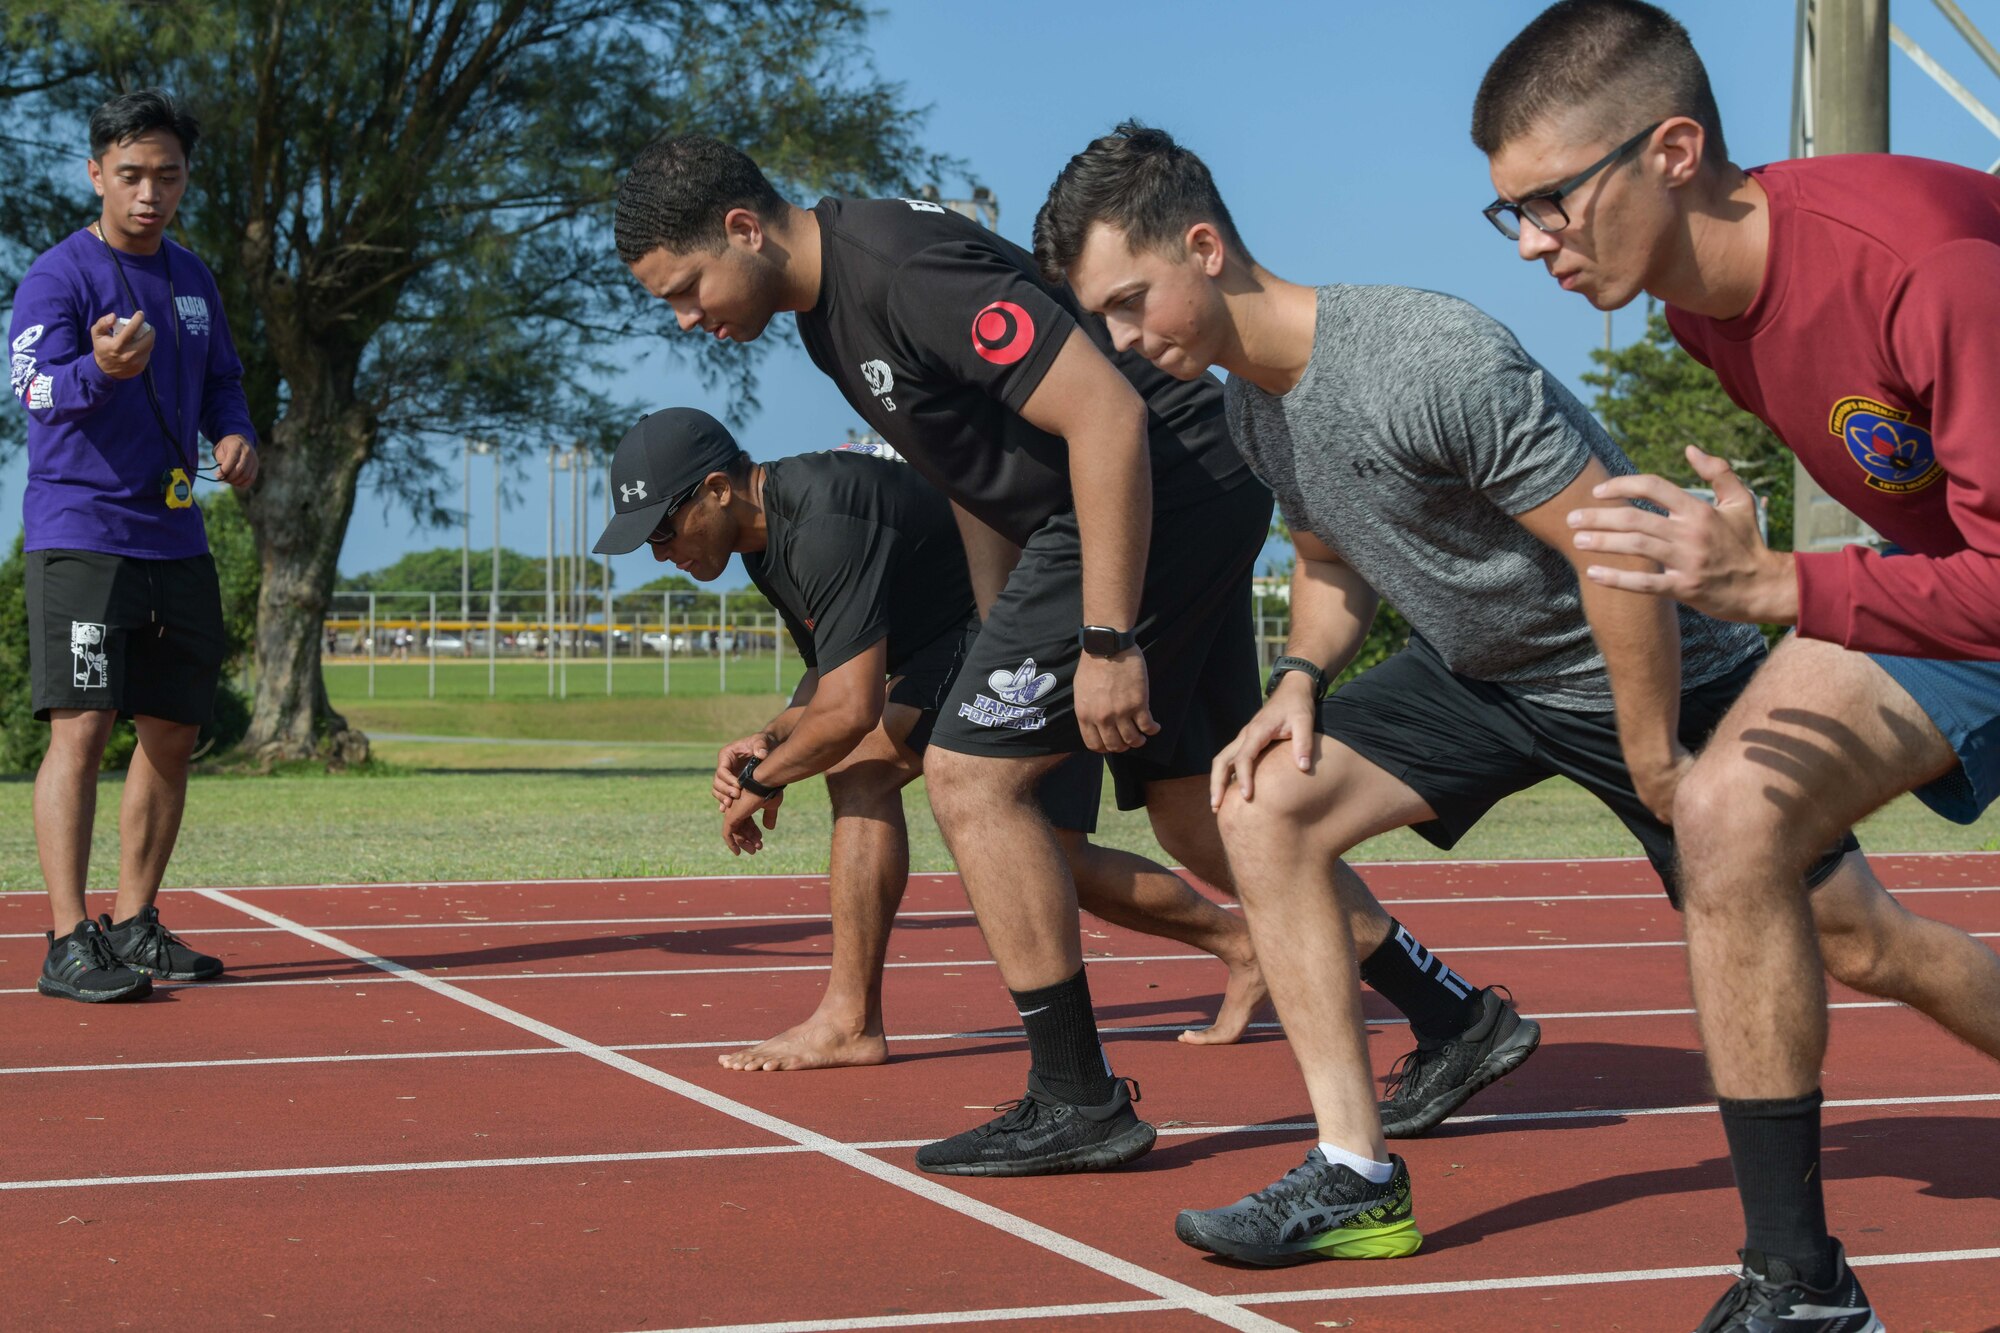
632	491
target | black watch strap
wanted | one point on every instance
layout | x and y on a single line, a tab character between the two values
1310	670
747	779
1103	641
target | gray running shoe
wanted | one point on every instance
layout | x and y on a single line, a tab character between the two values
1770	1297
1041	1135
81	966
1437	1078
1318	1211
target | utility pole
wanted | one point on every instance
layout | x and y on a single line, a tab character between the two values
1840	105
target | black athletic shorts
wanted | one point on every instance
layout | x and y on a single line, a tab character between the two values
1464	744
1013	697
141	637
1070	794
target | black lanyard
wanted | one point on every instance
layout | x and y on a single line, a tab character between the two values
174	436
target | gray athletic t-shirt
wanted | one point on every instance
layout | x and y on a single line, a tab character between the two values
1418	431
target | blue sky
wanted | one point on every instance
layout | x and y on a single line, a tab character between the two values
1337	132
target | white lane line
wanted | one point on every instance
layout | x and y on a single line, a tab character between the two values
1180	1294
1109	1031
1524	1117
940	1319
887	1145
948	914
384	1168
1525	1282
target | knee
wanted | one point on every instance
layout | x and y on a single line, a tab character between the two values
863	789
1855	958
1277	806
80	738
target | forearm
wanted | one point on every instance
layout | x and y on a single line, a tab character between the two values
820	738
784	724
989	559
56	394
1639	636
1332	609
1112	479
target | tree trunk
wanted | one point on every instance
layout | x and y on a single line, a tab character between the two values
299	511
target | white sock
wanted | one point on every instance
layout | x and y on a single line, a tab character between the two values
1375	1173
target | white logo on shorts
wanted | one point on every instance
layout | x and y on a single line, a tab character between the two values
90	666
1019	688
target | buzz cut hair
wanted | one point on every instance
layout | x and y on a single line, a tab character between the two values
679	191
1617	64
129	115
1140	181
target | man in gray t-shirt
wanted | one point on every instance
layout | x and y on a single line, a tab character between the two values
1419	454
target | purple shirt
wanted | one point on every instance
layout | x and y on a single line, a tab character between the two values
96	452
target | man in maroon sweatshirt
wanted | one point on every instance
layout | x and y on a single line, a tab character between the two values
1853	304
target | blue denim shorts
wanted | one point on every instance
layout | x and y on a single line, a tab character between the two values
1963	700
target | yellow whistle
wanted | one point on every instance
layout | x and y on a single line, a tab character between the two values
178	489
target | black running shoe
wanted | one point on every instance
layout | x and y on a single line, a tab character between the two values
144	945
1438	1077
1041	1135
81	966
1318	1211
1770	1297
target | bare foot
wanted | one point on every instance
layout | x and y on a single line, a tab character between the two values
1241	999
813	1044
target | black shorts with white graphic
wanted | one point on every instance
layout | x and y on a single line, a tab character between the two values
1464	744
1014	696
1070	794
143	638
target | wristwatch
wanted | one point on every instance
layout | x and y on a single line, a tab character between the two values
1310	670
1103	641
747	779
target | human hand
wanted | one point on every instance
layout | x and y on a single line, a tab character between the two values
739	822
123	352
1711	557
1289	714
236	461
1110	698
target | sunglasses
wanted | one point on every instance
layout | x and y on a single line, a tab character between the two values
1545	210
664	533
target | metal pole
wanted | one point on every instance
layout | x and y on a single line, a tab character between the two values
465	554
777	655
666	643
1971	34
1847	59
493	593
549	577
607	595
722	653
434	647
371	645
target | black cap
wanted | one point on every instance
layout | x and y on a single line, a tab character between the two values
663	455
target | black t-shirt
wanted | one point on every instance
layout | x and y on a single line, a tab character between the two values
937	331
859	550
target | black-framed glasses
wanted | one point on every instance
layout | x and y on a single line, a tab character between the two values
664	532
1545	210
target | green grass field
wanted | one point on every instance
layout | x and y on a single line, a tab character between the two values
468	810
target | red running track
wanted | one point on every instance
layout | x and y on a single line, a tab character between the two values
498	1106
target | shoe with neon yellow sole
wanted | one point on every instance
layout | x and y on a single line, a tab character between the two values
1318	1211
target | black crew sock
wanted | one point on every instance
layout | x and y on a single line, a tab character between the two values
1439	1003
1774	1148
1062	1041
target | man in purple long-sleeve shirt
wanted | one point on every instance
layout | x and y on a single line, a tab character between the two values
121	355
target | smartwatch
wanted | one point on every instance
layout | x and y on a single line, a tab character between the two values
1310	670
1102	641
747	779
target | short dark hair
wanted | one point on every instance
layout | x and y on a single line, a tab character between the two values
739	469
129	115
1619	58
1139	180
680	189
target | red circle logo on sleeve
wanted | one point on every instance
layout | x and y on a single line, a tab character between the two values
1002	333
